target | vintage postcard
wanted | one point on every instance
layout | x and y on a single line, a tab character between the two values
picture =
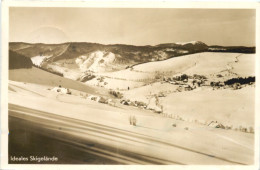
129	83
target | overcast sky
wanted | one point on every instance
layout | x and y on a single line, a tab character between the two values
132	26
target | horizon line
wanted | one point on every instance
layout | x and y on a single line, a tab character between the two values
127	44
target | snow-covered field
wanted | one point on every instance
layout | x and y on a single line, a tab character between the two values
200	63
182	127
245	65
129	74
230	107
144	93
115	84
196	143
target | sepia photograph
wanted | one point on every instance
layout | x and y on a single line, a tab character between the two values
131	86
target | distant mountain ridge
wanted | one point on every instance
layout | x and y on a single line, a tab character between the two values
99	57
96	57
74	49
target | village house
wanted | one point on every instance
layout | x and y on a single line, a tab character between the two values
187	87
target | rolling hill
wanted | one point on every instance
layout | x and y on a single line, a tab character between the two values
37	76
17	61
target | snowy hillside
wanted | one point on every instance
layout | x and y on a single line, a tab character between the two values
98	61
38	60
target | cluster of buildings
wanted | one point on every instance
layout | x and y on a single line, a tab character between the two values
185	82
